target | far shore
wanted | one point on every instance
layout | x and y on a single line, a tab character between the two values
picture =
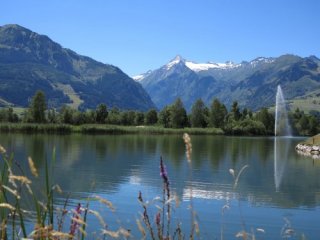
102	129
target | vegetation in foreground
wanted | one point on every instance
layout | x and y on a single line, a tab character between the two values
50	222
215	119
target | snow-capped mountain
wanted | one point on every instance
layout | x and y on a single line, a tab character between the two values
252	84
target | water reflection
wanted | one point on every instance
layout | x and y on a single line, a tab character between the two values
277	176
281	151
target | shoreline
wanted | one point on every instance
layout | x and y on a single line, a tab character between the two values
102	129
310	147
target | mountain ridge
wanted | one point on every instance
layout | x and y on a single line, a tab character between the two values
35	62
253	84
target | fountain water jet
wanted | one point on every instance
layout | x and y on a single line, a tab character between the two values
281	128
281	125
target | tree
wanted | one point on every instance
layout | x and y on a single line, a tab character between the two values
178	115
66	114
235	111
131	117
313	125
114	116
267	119
52	116
139	119
38	107
151	117
198	114
101	113
217	114
164	117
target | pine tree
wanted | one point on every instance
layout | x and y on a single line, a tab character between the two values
217	114
101	113
178	115
198	114
38	107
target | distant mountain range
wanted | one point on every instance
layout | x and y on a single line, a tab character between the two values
31	62
253	84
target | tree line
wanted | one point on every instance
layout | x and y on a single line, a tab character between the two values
236	121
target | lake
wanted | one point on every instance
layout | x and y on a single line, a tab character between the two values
278	193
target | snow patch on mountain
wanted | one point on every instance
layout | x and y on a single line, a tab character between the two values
197	67
260	60
174	61
140	77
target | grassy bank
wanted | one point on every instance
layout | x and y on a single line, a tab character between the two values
102	129
315	140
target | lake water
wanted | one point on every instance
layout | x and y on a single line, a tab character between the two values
278	191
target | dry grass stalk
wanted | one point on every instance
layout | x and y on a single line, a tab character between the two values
111	233
57	188
187	141
141	229
82	231
116	234
22	179
78	220
12	191
8	206
60	235
32	167
2	150
97	215
242	235
3	229
41	232
105	202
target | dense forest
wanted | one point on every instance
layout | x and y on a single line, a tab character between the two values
235	121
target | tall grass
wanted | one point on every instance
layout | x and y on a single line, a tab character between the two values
102	129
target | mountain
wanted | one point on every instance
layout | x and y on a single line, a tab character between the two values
31	62
176	79
253	84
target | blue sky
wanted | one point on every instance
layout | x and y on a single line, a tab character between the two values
138	35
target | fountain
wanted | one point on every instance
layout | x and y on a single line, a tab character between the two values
281	128
281	125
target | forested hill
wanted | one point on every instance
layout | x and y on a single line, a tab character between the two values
31	62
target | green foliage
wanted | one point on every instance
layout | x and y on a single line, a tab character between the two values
38	107
151	117
114	116
174	116
304	124
245	127
101	113
267	119
199	114
164	117
235	111
139	118
66	114
7	115
178	115
217	114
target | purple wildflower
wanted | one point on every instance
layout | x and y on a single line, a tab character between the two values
74	224
163	172
158	218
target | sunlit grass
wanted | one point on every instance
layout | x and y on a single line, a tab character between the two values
102	129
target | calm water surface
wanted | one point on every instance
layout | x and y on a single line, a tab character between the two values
279	189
